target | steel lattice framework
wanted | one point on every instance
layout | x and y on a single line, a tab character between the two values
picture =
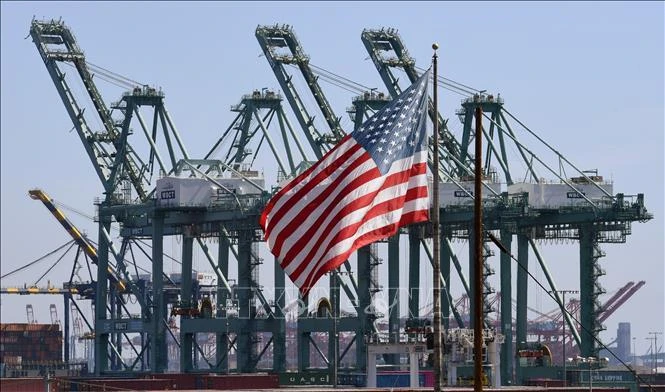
128	167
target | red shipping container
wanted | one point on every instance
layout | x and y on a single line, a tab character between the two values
179	380
133	384
22	384
256	381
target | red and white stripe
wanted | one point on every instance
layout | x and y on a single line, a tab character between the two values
340	204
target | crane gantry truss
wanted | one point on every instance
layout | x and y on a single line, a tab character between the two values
128	178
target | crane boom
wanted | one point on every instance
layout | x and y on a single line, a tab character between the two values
384	40
611	308
38	290
56	44
274	38
80	239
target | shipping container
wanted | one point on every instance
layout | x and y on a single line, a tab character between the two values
254	381
180	380
22	384
118	384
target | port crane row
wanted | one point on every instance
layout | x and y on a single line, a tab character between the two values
147	173
545	327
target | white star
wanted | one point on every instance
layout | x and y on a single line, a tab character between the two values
373	141
383	140
380	149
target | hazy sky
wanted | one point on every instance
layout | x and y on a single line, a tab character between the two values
587	77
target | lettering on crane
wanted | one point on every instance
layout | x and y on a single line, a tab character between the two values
168	194
575	195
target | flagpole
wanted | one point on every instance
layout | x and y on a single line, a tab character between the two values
335	301
478	270
436	236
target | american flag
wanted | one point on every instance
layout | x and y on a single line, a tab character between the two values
370	184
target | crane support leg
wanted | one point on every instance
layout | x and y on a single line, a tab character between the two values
187	337
158	359
506	310
393	293
66	331
279	336
444	257
246	310
364	301
522	294
101	339
414	274
588	296
222	338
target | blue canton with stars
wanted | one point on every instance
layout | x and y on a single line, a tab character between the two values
398	130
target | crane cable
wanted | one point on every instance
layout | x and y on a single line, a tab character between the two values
83	214
54	264
114	81
36	261
449	82
126	79
355	87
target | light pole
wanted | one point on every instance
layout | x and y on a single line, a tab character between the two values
634	360
563	320
654	351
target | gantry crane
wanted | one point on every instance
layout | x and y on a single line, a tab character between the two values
548	326
281	48
125	175
233	218
603	217
73	288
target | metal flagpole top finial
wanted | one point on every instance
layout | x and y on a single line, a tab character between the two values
435	46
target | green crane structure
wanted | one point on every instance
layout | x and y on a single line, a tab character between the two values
142	204
605	219
282	48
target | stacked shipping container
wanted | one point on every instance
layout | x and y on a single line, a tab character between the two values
22	344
